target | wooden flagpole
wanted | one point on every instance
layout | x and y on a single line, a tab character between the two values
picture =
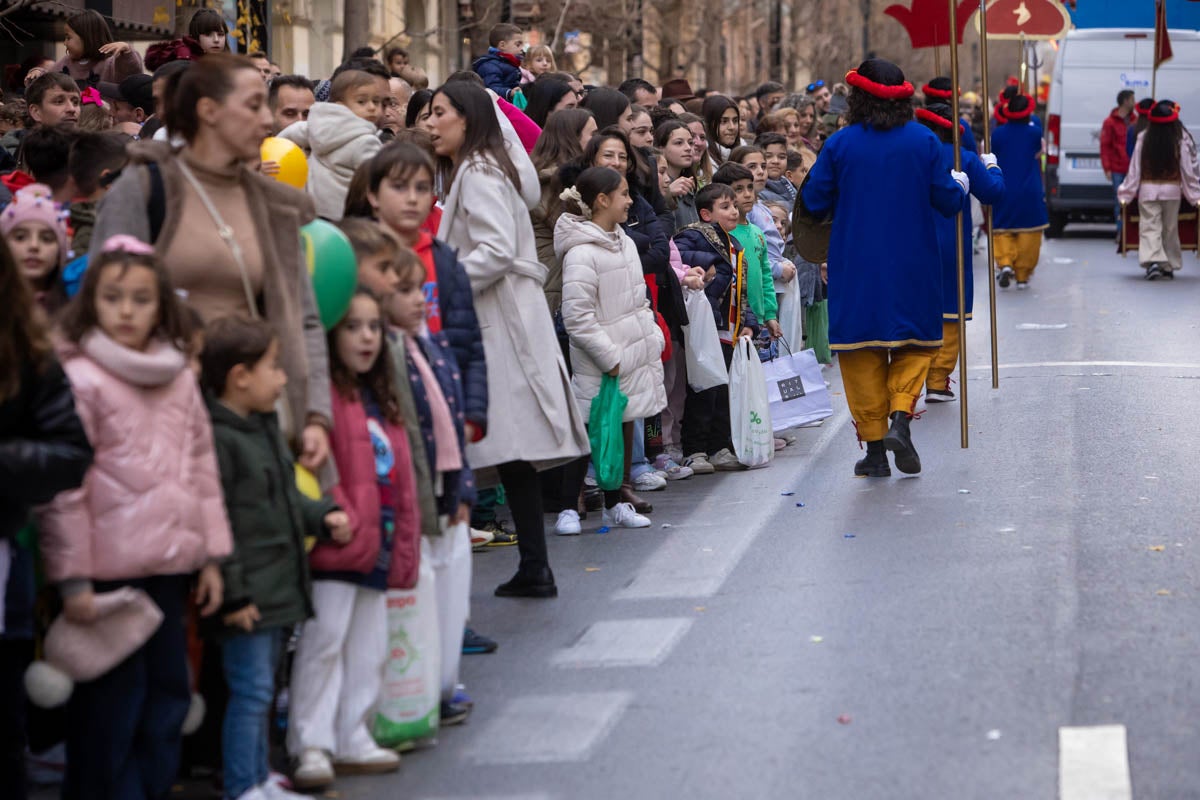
987	209
956	132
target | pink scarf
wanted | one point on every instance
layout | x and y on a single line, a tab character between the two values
445	438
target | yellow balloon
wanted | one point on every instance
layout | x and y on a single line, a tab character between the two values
307	483
293	166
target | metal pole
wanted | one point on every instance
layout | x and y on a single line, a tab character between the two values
956	134
987	210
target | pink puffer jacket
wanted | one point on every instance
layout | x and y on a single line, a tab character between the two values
151	503
357	492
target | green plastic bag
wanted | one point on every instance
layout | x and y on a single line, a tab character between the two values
605	434
816	330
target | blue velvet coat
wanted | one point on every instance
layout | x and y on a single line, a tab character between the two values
987	184
885	189
1018	146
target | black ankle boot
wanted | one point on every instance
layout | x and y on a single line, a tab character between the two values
875	465
899	441
536	583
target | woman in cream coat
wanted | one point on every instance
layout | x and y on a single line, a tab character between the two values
533	421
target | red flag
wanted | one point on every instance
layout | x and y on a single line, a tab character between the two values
1162	40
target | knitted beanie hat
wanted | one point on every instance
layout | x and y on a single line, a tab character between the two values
34	203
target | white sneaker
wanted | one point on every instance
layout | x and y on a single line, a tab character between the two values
568	523
649	482
671	470
375	761
622	515
274	791
313	770
725	461
698	463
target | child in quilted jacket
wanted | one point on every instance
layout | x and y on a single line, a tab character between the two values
149	515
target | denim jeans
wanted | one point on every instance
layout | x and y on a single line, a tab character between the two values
640	465
250	660
1117	179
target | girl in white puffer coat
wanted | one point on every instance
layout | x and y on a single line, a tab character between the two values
606	311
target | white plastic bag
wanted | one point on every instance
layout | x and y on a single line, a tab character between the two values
749	410
791	314
450	557
702	349
796	390
410	696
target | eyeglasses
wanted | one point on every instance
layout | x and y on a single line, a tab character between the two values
812	87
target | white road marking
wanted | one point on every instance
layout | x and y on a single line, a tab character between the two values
624	643
545	729
1040	364
537	796
1093	763
674	571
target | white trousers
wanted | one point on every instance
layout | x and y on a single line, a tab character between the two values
338	670
1158	233
450	557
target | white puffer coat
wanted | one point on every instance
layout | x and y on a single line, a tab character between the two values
608	316
336	141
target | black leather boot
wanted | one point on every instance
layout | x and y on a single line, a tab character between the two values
536	583
899	441
875	464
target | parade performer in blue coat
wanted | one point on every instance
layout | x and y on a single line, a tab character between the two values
938	92
882	178
1020	216
987	184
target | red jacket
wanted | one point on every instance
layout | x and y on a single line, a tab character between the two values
357	492
1113	155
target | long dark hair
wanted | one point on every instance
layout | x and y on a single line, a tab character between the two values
483	137
207	20
23	338
593	149
212	76
416	104
377	379
79	317
607	104
559	142
1160	146
542	96
876	112
715	106
591	183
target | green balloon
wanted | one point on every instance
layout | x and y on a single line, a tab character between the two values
332	267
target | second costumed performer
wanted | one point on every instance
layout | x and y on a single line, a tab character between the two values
883	178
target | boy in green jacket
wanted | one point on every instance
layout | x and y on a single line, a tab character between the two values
267	582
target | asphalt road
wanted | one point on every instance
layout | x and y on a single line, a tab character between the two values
904	638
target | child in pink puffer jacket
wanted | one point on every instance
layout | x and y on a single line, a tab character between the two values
149	515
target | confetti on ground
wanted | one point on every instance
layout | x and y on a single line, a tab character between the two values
701	608
602	530
844	719
666	525
787	494
847	535
1157	548
591	569
1163	592
816	639
1059	260
799	505
964	491
993	735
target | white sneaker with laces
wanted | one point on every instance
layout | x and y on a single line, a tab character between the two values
568	523
699	464
671	469
313	771
622	515
374	761
649	482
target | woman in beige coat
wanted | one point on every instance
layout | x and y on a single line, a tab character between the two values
533	422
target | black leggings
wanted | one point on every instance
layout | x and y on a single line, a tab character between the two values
525	501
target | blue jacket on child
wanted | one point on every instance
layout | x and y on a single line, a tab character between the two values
456	307
501	72
704	244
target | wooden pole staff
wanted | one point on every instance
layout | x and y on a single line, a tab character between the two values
956	132
987	210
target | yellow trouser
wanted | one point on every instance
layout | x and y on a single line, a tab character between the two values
879	382
1020	251
946	358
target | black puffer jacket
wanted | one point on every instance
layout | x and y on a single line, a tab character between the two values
43	447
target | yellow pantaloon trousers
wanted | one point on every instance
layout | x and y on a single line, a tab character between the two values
946	358
1020	251
879	382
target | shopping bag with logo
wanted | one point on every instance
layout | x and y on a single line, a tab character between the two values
605	433
408	701
796	389
749	411
703	358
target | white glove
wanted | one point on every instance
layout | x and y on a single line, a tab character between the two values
962	180
988	159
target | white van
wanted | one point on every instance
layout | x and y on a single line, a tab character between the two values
1092	66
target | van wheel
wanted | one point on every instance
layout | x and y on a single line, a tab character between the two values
1058	222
